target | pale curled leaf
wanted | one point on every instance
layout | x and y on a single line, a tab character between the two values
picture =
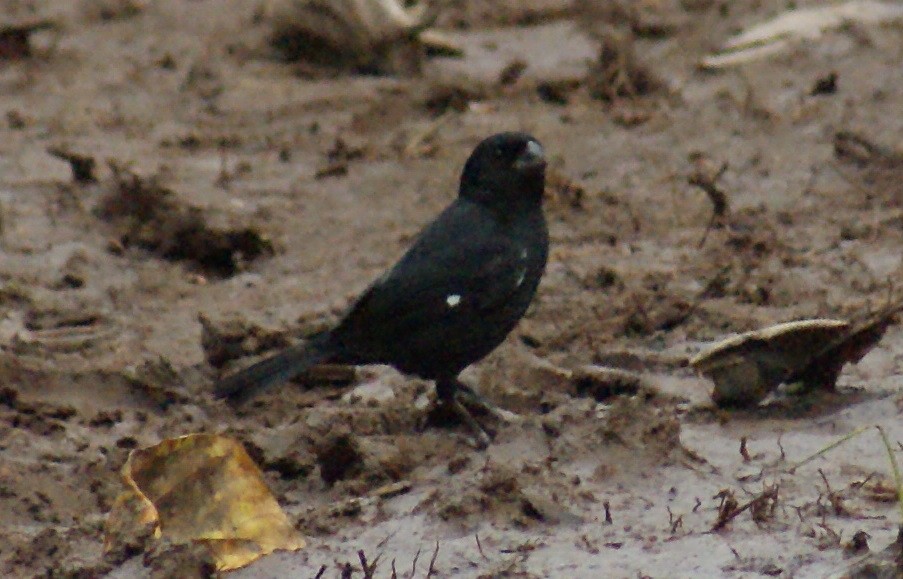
204	488
797	25
747	367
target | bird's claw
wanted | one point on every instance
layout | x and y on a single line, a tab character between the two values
473	401
482	436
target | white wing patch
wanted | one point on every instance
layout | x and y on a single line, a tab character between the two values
453	300
523	274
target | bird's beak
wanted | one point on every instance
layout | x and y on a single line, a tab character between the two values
532	157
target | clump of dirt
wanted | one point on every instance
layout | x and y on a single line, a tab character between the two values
339	457
179	560
378	38
83	166
15	36
150	216
362	464
602	384
506	496
228	338
879	169
158	381
618	73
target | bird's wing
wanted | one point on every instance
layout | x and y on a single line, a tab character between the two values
459	264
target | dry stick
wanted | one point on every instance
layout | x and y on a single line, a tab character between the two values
744	452
369	570
480	547
414	564
708	183
320	572
432	570
768	493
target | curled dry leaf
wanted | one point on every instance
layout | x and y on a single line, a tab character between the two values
746	368
792	26
201	488
356	33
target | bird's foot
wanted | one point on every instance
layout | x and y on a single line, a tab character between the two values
472	400
482	436
466	405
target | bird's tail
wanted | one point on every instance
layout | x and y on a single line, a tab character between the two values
275	370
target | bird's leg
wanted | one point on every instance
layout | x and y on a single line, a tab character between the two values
470	398
449	392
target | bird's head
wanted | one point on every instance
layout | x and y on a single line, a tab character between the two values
505	171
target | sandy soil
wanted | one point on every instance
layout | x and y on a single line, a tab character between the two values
276	193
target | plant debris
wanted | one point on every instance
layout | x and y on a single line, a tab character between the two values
377	36
152	217
83	166
14	37
800	24
201	488
618	73
748	367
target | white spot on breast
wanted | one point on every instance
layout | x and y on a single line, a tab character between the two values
523	254
520	279
453	300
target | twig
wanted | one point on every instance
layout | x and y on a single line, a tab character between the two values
347	571
414	564
369	570
320	572
744	452
675	523
767	494
480	547
706	178
432	568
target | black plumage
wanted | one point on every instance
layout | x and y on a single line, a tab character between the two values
454	296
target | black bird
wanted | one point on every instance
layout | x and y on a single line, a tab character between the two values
453	297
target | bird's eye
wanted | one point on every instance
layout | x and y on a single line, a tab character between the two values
499	152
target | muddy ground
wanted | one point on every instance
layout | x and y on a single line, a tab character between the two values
255	198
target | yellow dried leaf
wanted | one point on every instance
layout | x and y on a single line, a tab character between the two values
204	488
